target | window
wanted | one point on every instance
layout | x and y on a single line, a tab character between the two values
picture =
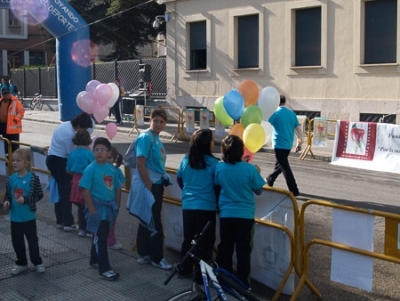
380	32
37	58
198	45
12	20
248	41
308	37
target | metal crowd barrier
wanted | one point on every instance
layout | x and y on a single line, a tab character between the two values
305	246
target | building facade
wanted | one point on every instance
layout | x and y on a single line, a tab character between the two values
21	44
336	57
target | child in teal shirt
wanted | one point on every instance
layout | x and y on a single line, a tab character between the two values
102	193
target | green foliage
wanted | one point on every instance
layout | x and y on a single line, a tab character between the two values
126	24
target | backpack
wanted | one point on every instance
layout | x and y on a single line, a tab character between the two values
130	159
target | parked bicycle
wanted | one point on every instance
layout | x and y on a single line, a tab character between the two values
36	101
222	280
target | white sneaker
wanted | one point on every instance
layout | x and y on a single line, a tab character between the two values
110	275
163	264
144	259
82	233
88	234
18	269
116	246
40	268
69	228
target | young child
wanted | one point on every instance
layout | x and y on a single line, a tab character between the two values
102	193
115	159
199	198
239	181
77	161
23	190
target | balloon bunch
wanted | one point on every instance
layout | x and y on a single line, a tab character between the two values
97	99
250	108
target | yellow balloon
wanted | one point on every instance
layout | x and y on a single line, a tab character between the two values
254	137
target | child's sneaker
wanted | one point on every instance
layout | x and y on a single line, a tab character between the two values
144	259
163	264
40	268
69	228
116	246
89	234
18	269
109	275
82	233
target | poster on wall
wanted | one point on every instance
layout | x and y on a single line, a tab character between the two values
189	121
204	119
320	133
367	145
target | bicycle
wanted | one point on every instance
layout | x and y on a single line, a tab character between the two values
37	100
222	280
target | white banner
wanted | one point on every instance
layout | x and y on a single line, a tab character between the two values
367	145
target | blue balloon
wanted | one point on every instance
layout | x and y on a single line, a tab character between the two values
234	104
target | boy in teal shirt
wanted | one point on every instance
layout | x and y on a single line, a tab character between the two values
102	194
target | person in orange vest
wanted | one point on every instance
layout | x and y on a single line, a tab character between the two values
11	113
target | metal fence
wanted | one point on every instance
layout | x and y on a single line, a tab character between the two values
44	79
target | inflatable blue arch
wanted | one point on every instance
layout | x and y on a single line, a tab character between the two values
68	27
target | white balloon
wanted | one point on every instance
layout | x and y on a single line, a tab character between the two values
78	97
268	101
115	95
267	129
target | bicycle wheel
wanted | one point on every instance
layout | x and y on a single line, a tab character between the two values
32	105
40	103
236	288
182	296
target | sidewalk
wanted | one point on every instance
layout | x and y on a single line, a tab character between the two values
320	153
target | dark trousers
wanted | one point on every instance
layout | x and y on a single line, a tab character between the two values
236	232
99	252
19	230
63	209
193	223
148	244
81	217
11	137
282	166
117	110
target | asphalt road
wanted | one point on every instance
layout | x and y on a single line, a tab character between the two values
316	180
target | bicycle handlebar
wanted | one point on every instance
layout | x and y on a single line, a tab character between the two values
188	254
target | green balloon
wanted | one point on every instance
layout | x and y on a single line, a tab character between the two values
220	113
251	114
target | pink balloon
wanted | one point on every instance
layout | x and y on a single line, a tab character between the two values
100	113
90	86
111	130
87	104
103	93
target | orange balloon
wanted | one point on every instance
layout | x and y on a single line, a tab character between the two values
237	130
249	91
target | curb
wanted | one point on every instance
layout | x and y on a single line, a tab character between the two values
320	157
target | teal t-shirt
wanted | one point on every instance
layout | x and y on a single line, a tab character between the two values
153	150
101	180
283	121
20	187
78	159
198	185
238	183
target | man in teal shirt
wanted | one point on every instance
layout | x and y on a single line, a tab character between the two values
284	122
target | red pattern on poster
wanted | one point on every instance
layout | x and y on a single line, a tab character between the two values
356	138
